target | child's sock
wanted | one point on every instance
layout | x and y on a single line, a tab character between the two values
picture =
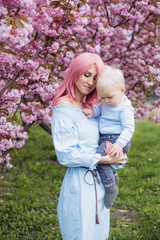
116	179
110	195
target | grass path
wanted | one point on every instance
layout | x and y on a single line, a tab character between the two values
29	191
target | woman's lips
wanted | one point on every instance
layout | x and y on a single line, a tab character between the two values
88	87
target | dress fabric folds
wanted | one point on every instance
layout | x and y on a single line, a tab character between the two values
75	139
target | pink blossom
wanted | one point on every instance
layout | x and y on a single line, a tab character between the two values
124	33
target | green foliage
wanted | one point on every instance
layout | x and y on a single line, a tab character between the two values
30	190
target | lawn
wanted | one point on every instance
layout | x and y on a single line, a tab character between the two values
29	191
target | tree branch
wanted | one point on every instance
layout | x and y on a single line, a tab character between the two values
45	127
132	88
19	104
107	13
4	167
95	35
14	78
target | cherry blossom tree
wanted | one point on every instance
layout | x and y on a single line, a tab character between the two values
38	40
127	34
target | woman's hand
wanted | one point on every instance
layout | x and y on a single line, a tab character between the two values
118	159
113	149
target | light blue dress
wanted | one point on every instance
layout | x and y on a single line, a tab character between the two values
75	138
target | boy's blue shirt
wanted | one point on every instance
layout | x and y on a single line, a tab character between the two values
116	120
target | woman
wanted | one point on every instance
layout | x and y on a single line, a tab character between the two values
81	211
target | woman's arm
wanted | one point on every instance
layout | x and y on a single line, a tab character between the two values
65	139
113	160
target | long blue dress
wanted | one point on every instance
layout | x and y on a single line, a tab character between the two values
75	138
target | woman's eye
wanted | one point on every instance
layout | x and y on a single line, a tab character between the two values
86	75
95	78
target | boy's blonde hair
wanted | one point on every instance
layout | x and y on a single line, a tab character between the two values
110	76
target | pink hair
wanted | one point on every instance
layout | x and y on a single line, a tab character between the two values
78	67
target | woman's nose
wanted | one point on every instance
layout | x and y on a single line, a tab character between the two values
90	81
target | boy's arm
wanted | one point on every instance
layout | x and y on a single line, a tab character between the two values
128	126
95	112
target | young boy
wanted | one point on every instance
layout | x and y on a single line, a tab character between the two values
116	125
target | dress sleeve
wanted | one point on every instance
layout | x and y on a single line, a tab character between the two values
69	153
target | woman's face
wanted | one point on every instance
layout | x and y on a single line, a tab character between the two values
86	82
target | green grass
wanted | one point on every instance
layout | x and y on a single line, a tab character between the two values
29	191
139	188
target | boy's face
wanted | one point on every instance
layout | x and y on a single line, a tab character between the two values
112	96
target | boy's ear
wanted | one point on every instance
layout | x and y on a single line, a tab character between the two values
123	89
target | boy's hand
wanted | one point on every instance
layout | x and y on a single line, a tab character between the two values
109	148
88	112
114	149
